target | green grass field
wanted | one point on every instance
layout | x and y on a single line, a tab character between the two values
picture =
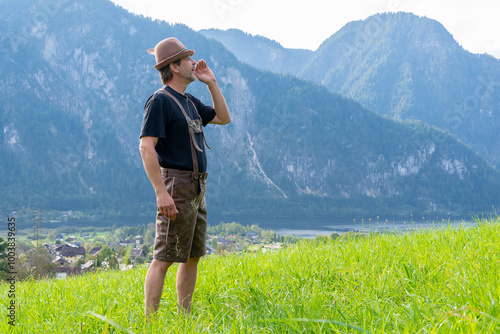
428	281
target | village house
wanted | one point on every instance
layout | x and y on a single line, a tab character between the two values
95	250
60	261
223	241
68	213
87	266
210	250
72	253
275	246
71	239
125	242
138	240
63	272
51	248
137	252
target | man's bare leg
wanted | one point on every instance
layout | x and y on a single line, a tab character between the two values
153	285
186	280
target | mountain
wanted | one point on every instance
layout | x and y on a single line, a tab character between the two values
260	52
410	67
74	80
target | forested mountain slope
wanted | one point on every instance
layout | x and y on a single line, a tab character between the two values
73	82
403	66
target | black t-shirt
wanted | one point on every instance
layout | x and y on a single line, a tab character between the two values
164	119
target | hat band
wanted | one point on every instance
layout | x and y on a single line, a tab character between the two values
175	54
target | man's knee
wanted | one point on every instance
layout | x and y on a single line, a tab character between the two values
190	267
193	261
161	266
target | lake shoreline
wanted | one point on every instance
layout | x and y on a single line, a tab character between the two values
306	227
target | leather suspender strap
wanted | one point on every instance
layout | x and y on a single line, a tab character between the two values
203	133
188	119
194	145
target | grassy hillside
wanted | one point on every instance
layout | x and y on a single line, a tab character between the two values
432	281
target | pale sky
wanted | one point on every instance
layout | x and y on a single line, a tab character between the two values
305	24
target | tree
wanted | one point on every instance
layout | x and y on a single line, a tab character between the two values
4	266
214	243
51	236
269	235
88	246
104	254
113	262
126	257
3	248
220	249
97	244
145	248
234	229
148	237
78	263
120	234
37	264
255	229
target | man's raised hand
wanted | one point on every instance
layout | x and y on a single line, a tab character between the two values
203	72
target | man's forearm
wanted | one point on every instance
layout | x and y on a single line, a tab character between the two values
152	168
220	105
164	201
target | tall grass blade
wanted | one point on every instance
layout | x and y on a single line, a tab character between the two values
111	322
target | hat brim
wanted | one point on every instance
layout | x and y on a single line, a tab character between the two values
166	61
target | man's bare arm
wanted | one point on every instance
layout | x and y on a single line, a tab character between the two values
222	116
205	75
164	201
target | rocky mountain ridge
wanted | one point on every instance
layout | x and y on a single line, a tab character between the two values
399	65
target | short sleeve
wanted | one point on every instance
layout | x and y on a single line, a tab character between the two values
155	117
207	113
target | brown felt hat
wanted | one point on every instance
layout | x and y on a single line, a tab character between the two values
168	51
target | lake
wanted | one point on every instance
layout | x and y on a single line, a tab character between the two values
306	227
311	227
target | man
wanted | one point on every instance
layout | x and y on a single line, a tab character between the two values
173	154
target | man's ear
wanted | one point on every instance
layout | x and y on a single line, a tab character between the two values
174	67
